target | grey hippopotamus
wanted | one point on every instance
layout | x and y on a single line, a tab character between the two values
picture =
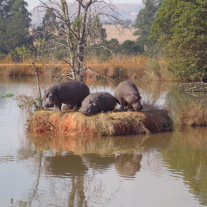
97	102
69	92
127	94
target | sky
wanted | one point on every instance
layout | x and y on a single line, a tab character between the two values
34	3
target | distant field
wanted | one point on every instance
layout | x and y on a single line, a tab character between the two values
119	33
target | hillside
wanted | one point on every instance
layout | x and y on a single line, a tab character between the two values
119	33
126	11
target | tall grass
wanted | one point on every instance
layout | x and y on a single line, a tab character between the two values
119	66
141	67
16	70
193	114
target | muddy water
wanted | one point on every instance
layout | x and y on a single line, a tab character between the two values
159	170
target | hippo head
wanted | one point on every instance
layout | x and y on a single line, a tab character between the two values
89	107
50	98
134	100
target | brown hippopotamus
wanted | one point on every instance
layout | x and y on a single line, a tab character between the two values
69	92
97	102
127	94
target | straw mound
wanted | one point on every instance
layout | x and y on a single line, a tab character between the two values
104	124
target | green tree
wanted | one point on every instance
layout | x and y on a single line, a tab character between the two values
3	38
144	21
130	47
18	24
46	33
127	23
97	32
180	28
105	49
5	6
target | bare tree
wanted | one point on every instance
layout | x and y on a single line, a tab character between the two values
75	22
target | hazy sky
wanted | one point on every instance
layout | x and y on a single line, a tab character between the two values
34	3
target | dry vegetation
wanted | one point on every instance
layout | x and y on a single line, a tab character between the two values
104	124
15	70
141	67
119	66
193	114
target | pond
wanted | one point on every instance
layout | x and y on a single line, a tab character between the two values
159	170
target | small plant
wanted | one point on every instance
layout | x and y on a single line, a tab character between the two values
29	102
7	95
25	102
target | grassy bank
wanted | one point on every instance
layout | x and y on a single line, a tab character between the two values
16	70
192	114
141	67
102	124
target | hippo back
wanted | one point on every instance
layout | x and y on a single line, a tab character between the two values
69	92
72	92
97	102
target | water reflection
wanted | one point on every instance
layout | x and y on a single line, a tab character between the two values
187	155
128	165
97	153
183	154
68	165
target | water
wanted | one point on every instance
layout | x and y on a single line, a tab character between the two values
159	170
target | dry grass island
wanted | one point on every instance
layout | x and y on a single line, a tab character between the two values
102	124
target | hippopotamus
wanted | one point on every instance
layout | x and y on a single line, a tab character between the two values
97	102
127	94
69	92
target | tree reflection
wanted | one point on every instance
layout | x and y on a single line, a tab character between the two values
187	155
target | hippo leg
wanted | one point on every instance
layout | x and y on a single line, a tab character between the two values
58	106
130	107
122	104
77	106
125	108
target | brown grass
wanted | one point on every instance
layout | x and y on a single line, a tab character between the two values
119	66
141	67
16	70
103	124
193	114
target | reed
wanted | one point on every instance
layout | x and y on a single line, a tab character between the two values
119	66
16	70
141	67
193	114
